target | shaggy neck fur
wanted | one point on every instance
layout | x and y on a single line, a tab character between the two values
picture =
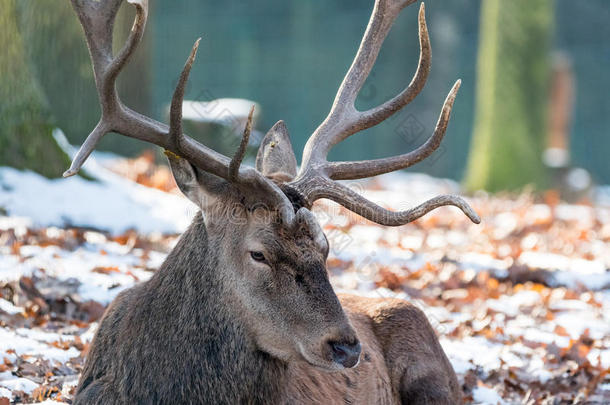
219	357
176	338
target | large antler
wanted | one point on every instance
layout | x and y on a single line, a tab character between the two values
317	176
97	18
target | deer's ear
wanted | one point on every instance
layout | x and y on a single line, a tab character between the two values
275	158
200	187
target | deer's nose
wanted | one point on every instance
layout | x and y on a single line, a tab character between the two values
346	354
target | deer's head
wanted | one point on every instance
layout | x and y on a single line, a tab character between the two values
273	249
274	269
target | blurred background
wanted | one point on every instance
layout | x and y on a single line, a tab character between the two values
532	71
521	302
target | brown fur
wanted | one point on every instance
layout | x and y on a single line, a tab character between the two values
401	361
216	326
179	339
242	311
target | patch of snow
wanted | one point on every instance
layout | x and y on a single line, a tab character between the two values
5	393
14	222
78	265
11	268
49	402
487	396
570	305
470	352
578	213
510	304
88	335
599	357
420	185
538	213
112	203
482	262
576	322
569	271
32	347
536	369
593	281
436	240
537	335
19	384
43	336
9	308
504	224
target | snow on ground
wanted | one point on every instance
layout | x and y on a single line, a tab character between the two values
521	302
111	203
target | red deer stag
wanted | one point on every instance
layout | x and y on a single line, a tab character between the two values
242	310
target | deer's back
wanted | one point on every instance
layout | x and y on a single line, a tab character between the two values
368	383
400	353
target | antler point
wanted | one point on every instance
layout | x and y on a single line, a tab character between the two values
454	90
69	173
191	58
422	14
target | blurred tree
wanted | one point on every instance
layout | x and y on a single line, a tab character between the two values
55	47
58	55
25	120
512	92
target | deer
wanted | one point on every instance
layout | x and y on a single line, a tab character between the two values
242	309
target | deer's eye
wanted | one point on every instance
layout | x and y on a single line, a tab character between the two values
258	256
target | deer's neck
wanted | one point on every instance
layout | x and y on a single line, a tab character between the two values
221	356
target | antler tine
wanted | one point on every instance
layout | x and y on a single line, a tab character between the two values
378	114
97	18
370	168
133	40
356	203
106	68
317	176
175	109
344	120
241	150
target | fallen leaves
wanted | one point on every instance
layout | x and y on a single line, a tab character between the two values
544	320
520	302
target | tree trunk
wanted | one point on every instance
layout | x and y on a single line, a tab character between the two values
512	95
25	121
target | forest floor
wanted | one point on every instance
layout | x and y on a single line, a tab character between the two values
521	302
